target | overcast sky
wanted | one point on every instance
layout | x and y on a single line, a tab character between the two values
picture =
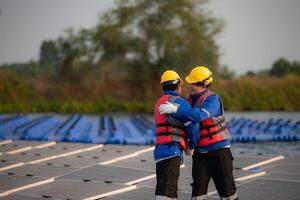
257	32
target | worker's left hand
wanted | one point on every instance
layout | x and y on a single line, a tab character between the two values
167	108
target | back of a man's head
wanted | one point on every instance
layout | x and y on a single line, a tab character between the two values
170	86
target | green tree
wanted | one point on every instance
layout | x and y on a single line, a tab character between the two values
250	73
49	54
71	48
296	67
145	37
281	67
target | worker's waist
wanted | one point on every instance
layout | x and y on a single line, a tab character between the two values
215	146
163	151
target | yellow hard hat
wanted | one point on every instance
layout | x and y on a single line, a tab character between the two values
200	74
169	75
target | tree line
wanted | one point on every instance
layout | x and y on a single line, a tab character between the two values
116	65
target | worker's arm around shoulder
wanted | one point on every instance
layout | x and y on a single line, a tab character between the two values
211	108
191	127
181	102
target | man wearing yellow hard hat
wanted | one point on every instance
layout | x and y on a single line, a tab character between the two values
173	136
212	157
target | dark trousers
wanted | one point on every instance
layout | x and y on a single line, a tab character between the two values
216	165
167	175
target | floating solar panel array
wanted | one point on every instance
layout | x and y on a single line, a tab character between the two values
247	130
133	129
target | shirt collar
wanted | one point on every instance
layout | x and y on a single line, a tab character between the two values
171	93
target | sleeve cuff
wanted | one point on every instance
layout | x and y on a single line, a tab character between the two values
208	113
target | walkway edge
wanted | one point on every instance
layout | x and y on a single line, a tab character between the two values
244	178
5	193
263	162
134	154
126	189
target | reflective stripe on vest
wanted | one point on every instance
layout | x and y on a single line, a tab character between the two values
168	129
212	129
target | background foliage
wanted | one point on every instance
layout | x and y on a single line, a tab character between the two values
116	65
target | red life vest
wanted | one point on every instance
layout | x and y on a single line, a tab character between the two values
169	129
212	129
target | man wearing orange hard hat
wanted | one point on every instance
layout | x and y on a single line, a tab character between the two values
212	157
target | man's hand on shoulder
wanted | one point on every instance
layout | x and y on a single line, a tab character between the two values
168	108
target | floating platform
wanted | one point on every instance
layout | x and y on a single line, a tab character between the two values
129	129
31	170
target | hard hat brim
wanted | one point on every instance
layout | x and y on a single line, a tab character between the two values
210	80
188	80
180	80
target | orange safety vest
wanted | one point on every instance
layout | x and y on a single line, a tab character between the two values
169	129
212	129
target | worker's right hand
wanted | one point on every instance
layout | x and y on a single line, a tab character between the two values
167	108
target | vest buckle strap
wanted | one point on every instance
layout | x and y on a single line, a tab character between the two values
170	125
170	133
210	134
213	125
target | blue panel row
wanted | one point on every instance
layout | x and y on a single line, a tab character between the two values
134	129
245	130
